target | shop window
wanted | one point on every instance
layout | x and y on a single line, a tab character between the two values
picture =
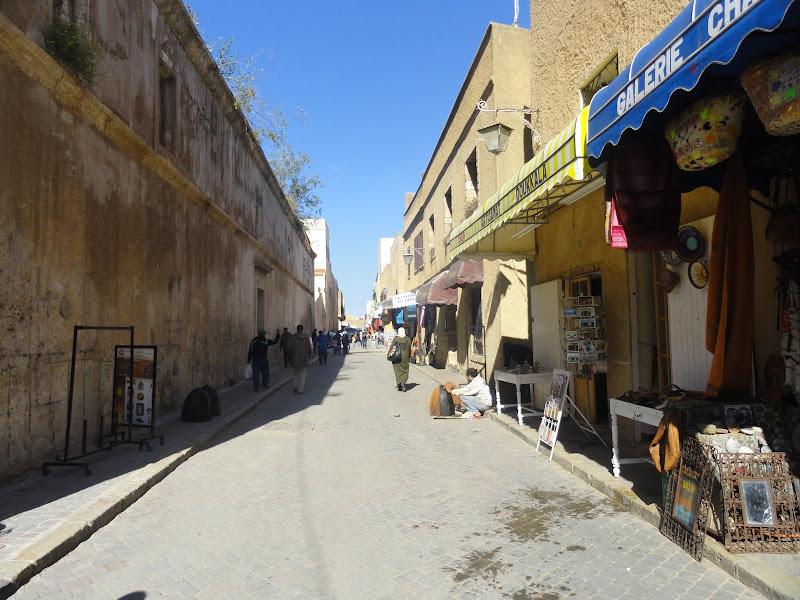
471	187
600	78
168	109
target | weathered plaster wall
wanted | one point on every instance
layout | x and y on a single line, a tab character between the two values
499	74
105	227
573	243
570	39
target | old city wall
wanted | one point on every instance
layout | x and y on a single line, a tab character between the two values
105	226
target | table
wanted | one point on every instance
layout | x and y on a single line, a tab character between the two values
635	412
519	379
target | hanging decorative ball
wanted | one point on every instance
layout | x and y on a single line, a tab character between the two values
706	132
773	85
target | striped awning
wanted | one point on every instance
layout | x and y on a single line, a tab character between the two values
558	170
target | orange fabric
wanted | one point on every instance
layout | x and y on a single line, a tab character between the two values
729	309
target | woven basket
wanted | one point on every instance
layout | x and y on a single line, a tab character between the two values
773	85
705	133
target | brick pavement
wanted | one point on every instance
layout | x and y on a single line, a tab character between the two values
331	495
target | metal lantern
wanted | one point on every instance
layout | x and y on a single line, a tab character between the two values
495	137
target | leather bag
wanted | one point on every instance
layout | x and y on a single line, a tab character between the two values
665	449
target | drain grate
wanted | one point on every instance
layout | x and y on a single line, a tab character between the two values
289	426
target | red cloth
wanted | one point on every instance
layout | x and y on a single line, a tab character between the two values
730	320
644	183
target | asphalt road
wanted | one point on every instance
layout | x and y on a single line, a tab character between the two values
352	491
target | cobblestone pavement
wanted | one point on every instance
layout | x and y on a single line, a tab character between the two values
352	491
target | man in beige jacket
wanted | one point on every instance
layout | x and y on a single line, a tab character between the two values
300	351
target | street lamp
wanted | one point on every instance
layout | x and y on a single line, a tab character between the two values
496	135
408	256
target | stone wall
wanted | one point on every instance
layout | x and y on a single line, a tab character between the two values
107	227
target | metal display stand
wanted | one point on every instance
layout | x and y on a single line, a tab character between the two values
67	461
74	461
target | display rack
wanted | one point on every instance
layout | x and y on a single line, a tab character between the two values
584	334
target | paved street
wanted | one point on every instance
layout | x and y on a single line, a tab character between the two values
352	491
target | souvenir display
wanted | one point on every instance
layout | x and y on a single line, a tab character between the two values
690	244
706	132
773	85
698	275
683	519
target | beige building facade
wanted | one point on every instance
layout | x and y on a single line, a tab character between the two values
144	202
326	288
461	174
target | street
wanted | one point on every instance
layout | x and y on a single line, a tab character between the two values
352	491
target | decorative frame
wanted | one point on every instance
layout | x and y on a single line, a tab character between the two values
586	312
572	336
743	475
573	357
573	347
683	519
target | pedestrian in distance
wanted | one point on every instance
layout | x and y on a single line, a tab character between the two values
322	348
403	342
337	343
314	337
363	340
346	342
286	341
476	396
257	355
300	356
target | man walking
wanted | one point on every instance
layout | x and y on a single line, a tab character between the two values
286	341
257	354
322	348
300	356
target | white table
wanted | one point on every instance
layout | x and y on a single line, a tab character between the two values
642	414
520	379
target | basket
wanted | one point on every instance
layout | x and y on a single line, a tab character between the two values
773	85
706	132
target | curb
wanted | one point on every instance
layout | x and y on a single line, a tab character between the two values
81	525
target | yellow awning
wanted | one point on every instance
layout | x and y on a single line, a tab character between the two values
558	170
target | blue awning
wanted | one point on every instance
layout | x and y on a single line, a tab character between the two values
705	33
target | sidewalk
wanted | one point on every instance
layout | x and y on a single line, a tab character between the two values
43	518
638	490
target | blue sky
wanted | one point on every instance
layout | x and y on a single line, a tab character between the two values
377	80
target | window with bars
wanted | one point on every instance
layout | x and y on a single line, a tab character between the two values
600	78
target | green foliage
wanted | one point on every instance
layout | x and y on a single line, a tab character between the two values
268	123
71	44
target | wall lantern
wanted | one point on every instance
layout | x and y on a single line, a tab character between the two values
408	255
495	137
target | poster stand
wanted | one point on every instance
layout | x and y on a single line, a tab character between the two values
140	373
557	398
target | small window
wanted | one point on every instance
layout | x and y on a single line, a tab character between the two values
419	257
602	76
168	109
448	210
471	181
431	239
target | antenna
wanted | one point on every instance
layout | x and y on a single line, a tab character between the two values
516	12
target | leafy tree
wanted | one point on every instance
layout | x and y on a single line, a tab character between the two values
268	124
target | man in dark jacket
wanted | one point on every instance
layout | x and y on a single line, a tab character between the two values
258	356
322	347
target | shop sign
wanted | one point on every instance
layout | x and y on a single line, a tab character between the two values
401	300
699	34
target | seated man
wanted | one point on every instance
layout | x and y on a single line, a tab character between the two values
475	396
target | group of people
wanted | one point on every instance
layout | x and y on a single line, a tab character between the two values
475	397
297	351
